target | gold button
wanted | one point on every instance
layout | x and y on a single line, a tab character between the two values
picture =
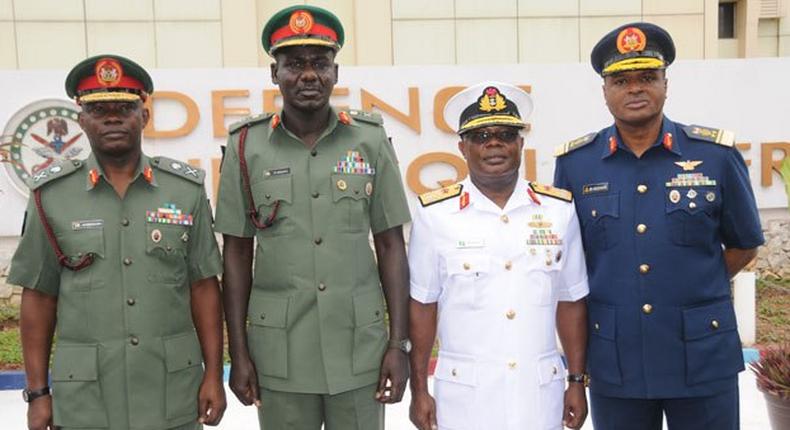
321	286
454	372
134	340
642	188
511	365
597	326
692	205
263	315
314	153
130	301
268	196
647	308
467	266
127	261
510	314
169	248
124	222
341	185
714	324
505	219
641	228
594	213
508	265
644	268
318	240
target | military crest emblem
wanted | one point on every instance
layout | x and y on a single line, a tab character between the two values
631	39
108	72
39	135
492	100
301	22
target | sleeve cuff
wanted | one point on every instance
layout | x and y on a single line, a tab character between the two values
575	292
423	295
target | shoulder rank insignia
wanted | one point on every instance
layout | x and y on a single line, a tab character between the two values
178	168
440	195
56	170
236	126
719	136
369	117
548	190
574	144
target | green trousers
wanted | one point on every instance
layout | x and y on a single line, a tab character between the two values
352	410
189	426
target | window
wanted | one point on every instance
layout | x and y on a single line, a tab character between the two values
727	20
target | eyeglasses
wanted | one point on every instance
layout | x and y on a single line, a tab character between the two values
482	137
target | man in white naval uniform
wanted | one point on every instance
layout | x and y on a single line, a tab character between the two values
499	260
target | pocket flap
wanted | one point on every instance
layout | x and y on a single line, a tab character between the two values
550	368
458	368
368	308
700	202
77	243
272	189
166	238
353	186
602	320
708	320
594	208
468	265
182	351
268	311
75	363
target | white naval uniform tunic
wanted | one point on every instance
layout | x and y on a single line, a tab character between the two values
497	275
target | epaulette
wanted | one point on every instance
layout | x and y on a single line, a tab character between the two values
250	120
179	168
722	137
59	169
574	144
440	195
369	117
548	190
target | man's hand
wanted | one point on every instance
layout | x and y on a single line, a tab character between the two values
395	369
244	380
211	400
575	409
39	414
422	411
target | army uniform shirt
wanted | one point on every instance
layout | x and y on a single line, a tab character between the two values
497	275
316	310
662	323
127	355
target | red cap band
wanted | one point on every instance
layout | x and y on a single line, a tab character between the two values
92	83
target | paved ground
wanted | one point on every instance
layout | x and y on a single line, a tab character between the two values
753	413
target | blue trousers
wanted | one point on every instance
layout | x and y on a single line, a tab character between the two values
717	412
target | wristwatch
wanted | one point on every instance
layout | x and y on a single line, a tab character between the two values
403	345
30	395
580	378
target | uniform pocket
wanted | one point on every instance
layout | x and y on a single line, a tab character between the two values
466	275
370	334
551	378
455	390
602	357
76	244
350	196
266	193
184	361
168	244
77	394
267	334
691	222
599	217
713	347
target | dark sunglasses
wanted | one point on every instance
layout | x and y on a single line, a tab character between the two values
482	137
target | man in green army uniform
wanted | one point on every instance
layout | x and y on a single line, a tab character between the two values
119	256
310	183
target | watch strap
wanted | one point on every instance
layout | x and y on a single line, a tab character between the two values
30	395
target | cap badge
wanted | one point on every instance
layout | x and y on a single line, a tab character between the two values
301	21
631	39
108	72
492	100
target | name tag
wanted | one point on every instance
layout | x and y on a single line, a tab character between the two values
88	224
470	243
601	187
279	172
